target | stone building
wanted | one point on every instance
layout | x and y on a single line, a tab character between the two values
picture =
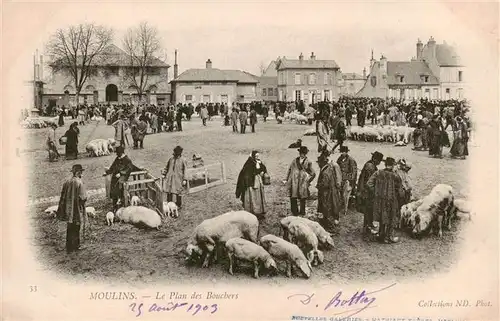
108	83
351	83
267	88
214	85
435	73
310	80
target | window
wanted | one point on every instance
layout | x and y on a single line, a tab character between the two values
264	91
206	98
275	91
460	93
426	78
114	70
401	79
460	75
297	78
188	98
270	92
153	70
327	79
312	79
282	79
298	95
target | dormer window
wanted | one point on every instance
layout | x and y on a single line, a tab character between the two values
401	79
426	79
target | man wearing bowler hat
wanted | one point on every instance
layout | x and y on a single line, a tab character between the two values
72	208
299	176
349	169
364	195
174	177
120	170
387	193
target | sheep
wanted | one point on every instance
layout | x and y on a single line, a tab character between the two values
52	210
139	215
219	229
353	132
310	132
90	211
436	209
92	149
301	119
323	236
170	209
304	237
135	201
110	217
290	253
238	248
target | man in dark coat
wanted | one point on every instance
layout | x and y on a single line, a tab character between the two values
349	169
364	195
387	191
72	208
329	196
120	171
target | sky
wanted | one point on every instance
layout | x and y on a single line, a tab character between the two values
244	35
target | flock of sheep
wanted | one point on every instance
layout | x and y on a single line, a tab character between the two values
100	147
38	122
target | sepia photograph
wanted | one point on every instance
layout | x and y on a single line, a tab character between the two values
283	160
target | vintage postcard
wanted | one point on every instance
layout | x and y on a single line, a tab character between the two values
250	160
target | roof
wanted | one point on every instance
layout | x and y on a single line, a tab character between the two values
411	70
268	80
285	63
271	70
352	75
446	55
214	74
114	56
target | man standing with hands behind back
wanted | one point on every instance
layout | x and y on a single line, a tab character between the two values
72	208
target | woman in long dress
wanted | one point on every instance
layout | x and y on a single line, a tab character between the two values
72	141
250	188
459	147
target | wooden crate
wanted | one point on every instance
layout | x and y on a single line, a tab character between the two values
207	183
142	184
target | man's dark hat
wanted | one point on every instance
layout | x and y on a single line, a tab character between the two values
389	161
344	149
77	168
303	150
378	155
178	149
120	149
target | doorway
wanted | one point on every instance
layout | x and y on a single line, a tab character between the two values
111	93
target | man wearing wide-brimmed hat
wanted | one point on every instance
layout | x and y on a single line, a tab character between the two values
364	196
299	176
120	170
174	176
72	208
387	194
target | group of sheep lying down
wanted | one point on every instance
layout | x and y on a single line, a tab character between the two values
236	233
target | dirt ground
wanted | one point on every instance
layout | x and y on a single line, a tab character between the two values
123	253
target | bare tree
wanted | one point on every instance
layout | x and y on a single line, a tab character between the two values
142	45
75	50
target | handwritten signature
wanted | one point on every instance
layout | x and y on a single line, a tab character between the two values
172	306
359	301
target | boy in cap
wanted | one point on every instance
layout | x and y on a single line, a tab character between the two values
364	195
387	192
402	170
72	208
349	169
299	176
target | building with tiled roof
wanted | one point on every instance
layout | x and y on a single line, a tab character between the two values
267	89
108	83
435	73
214	85
309	80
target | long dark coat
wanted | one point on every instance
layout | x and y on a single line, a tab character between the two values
388	192
365	195
246	177
329	187
124	167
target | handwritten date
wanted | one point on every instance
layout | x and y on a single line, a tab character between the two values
193	309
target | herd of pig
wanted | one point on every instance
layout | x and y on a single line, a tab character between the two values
301	242
100	147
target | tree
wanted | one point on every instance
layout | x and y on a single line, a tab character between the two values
75	50
142	45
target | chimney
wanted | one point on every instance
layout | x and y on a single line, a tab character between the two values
383	65
313	57
176	67
432	47
420	47
364	73
209	64
301	57
372	60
